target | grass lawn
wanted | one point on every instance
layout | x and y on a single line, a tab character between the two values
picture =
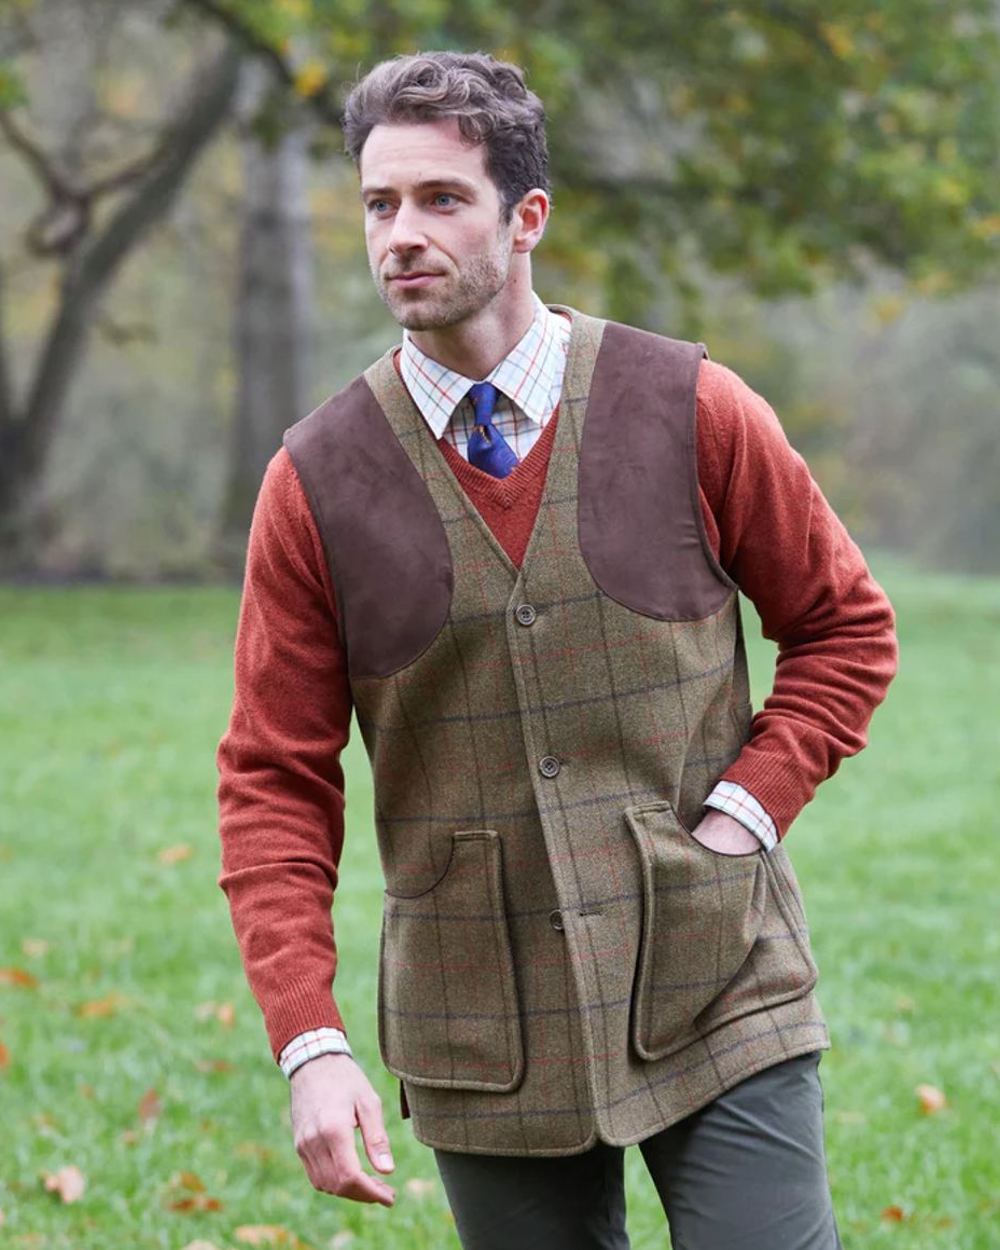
122	974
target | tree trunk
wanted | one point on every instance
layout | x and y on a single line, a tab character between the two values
28	429
274	318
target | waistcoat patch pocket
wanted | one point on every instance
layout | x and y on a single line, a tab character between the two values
701	914
722	936
447	994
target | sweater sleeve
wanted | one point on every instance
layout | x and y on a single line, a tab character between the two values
781	542
281	785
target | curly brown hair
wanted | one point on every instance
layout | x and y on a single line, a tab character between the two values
487	97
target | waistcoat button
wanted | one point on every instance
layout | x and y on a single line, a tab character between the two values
525	614
548	766
556	920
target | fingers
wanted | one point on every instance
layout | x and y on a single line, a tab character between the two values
330	1099
369	1112
351	1181
333	1167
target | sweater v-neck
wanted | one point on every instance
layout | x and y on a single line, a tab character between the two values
503	492
508	505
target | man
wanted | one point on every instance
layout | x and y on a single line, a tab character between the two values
514	547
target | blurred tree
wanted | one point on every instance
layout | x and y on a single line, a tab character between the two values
274	314
94	213
788	143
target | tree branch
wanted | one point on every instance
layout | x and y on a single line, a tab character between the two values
322	103
97	262
57	185
59	227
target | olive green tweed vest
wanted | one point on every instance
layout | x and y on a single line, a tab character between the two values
561	961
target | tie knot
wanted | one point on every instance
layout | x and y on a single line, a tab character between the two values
484	398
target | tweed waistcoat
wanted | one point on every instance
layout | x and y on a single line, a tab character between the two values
561	962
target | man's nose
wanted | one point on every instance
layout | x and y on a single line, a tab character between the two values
407	235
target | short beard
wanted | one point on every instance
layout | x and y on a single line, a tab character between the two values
483	278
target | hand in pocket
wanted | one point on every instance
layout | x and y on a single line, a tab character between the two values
725	835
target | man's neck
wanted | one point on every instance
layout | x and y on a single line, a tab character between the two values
476	346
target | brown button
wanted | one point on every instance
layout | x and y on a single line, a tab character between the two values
556	920
549	766
525	614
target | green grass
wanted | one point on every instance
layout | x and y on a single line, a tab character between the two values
112	702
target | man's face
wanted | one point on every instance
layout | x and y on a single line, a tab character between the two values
437	247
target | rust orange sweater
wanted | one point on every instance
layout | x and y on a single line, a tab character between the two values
281	786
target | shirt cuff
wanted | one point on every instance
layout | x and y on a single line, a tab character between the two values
310	1045
731	798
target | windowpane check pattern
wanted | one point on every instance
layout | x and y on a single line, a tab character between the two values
310	1045
731	798
529	380
530	383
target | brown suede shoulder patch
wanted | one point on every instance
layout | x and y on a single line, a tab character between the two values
641	530
392	569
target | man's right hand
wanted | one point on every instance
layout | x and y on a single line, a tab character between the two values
331	1097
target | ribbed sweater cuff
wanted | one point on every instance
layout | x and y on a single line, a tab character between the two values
776	784
303	1005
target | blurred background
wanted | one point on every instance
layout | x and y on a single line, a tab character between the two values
813	190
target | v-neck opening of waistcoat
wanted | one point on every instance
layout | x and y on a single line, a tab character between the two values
501	492
405	419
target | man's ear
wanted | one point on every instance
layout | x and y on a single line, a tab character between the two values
529	218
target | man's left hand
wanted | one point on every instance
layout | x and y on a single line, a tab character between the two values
725	835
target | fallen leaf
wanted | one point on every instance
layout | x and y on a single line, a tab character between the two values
149	1106
69	1183
195	1199
931	1098
188	1180
214	1065
99	1008
175	854
341	1239
894	1215
419	1187
85	1090
254	1150
225	1013
35	946
4	1056
197	1202
265	1235
905	1003
201	1245
129	1136
18	977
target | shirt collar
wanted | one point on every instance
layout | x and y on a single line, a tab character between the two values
528	375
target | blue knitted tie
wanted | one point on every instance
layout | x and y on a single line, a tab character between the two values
488	450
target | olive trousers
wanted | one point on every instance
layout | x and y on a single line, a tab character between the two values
745	1172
